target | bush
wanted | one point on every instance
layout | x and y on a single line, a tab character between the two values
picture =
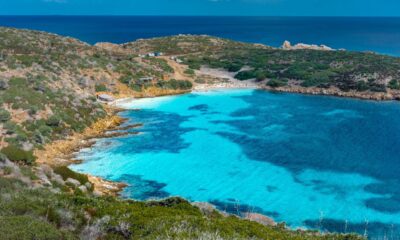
100	88
4	115
33	110
53	121
234	67
362	86
260	76
189	71
66	173
45	130
377	88
10	228
11	127
175	84
16	154
245	75
394	84
276	83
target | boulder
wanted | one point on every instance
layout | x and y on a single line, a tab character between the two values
83	189
3	85
88	185
3	158
84	82
58	179
74	182
286	45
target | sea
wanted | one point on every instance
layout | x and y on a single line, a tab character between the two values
378	34
313	162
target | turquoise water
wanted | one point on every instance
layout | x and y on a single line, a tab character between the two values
311	161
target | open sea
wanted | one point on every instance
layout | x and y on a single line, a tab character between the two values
353	33
311	161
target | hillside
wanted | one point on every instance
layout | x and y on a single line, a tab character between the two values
48	92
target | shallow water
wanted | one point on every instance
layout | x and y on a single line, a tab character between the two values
311	161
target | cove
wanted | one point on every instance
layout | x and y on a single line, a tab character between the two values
311	161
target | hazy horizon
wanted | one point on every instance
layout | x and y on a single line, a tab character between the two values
345	8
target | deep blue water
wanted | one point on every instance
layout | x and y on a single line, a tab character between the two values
352	33
311	161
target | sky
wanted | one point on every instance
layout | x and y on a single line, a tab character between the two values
203	7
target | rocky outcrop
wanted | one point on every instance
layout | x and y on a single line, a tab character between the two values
262	219
288	46
111	47
332	91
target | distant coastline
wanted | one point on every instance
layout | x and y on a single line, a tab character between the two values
378	34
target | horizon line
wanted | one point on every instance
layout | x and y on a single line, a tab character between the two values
149	15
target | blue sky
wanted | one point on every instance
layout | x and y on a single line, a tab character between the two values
203	7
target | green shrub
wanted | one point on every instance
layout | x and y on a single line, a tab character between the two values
175	84
234	67
260	76
394	84
26	227
362	86
245	75
66	173
377	88
45	130
4	115
189	71
276	83
53	121
100	88
16	154
11	127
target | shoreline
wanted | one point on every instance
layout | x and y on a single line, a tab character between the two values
61	152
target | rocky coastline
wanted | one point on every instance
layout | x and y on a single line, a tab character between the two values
376	96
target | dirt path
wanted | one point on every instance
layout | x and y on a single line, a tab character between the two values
179	69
